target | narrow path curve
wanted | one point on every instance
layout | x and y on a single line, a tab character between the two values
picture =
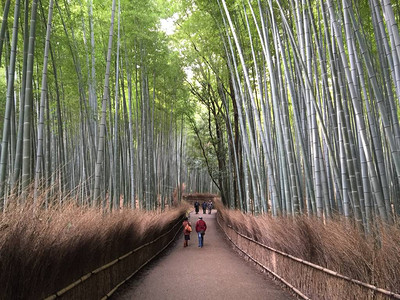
212	272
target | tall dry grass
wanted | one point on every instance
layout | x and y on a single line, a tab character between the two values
43	252
335	245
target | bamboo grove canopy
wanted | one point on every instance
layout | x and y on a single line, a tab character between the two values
304	96
94	105
285	107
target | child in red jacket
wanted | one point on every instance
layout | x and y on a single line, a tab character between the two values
187	229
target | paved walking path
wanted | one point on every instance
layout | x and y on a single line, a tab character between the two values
212	272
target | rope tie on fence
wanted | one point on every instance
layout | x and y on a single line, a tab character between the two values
314	266
115	261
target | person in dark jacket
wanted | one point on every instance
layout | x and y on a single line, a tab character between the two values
186	231
196	206
201	228
204	206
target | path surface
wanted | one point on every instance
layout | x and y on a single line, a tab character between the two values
212	272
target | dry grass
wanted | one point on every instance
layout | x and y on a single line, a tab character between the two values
43	252
335	245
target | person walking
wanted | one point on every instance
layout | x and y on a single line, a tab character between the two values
187	229
210	206
196	206
204	206
201	228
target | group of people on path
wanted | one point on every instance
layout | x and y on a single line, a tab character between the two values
201	228
205	205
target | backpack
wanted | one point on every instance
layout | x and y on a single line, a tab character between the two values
188	228
201	228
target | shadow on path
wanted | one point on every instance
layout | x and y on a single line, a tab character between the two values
212	272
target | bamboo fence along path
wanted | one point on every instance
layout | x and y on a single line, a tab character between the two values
212	272
314	282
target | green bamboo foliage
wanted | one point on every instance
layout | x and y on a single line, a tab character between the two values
299	107
9	101
134	150
314	85
40	134
117	161
102	132
4	25
28	103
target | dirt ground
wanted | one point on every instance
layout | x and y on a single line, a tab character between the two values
215	271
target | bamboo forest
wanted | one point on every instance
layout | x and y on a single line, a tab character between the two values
282	107
116	114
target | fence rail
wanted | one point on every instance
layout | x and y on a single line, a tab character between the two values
143	258
315	282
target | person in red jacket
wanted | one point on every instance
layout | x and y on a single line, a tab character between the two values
201	228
